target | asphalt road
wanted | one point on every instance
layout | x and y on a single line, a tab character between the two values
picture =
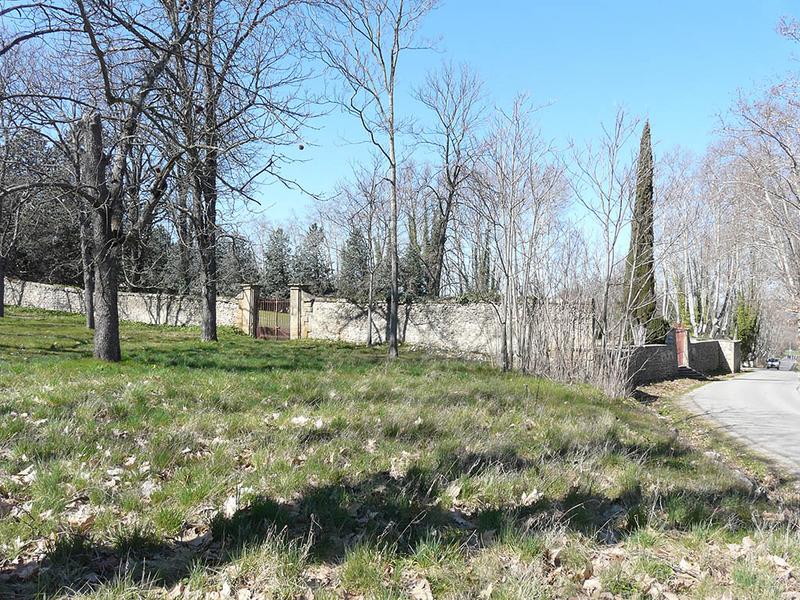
761	407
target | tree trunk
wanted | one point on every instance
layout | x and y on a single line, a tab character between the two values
439	240
206	201
204	207
184	232
208	280
2	286
370	301
205	217
106	331
505	363
394	292
88	269
106	233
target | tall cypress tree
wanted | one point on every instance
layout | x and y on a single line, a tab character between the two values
640	277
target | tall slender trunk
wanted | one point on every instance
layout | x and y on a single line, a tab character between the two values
370	301
184	232
88	268
2	286
505	363
394	292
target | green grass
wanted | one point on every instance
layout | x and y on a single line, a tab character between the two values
283	467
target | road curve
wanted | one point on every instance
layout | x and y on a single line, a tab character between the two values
762	408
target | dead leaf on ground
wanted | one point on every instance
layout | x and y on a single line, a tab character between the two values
453	490
230	506
421	590
592	587
531	497
82	519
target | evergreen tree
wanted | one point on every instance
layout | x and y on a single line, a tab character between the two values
413	281
354	267
311	266
413	274
236	264
277	273
482	282
640	278
747	321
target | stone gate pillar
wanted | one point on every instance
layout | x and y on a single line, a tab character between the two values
298	294
248	309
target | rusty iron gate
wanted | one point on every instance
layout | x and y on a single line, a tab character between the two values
272	319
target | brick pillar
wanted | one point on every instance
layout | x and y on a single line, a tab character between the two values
248	309
298	294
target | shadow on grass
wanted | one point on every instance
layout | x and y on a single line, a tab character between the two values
398	513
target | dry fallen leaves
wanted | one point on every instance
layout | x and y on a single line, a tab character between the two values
531	498
592	587
230	506
453	490
82	519
26	476
421	590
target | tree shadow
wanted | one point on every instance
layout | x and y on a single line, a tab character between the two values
644	397
383	509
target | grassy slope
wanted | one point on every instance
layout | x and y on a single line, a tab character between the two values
279	468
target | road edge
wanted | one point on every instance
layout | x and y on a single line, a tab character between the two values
785	465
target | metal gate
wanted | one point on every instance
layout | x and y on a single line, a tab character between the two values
272	319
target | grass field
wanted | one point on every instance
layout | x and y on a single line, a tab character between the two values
258	469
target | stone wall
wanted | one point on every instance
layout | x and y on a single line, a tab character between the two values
153	309
470	330
730	356
653	362
658	362
704	356
465	329
474	330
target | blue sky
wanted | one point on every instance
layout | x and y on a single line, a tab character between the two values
679	63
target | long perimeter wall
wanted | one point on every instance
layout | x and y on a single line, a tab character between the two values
474	330
471	330
153	309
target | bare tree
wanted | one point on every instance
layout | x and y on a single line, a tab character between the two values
128	48
455	99
363	41
762	138
603	181
361	204
519	195
18	158
235	94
